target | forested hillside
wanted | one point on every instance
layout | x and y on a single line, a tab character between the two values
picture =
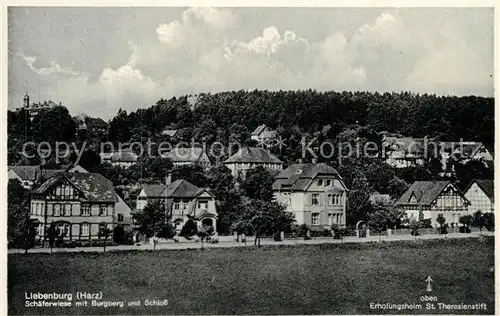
217	116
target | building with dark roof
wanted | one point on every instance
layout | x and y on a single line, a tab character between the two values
181	156
481	194
433	199
122	158
251	157
27	175
80	204
314	192
30	176
182	201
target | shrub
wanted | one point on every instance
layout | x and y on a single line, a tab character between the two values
464	229
277	237
426	223
189	229
302	231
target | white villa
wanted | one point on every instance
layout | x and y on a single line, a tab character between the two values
314	192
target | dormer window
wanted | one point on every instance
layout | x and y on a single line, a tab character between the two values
320	182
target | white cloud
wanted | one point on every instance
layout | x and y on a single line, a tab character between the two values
202	52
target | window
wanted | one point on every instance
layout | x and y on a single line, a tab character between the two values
85	229
102	227
85	209
176	205
287	199
203	204
334	199
102	210
330	219
67	209
50	210
57	210
328	182
315	218
320	182
120	217
315	199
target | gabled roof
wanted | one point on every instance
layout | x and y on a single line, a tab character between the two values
93	186
183	188
176	189
153	190
259	129
169	132
181	154
425	192
26	172
298	176
253	155
487	186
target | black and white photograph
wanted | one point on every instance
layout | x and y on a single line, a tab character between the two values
249	159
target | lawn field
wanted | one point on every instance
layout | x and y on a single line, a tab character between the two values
307	279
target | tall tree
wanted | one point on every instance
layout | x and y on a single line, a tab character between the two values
194	174
258	184
152	219
18	213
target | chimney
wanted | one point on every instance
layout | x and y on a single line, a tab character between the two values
168	179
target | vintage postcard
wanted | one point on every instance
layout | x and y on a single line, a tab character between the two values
258	159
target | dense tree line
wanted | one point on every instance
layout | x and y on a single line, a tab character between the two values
229	114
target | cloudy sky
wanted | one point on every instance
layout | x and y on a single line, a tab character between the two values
97	60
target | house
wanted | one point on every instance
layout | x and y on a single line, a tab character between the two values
122	158
46	173
433	199
481	194
464	152
81	205
169	132
181	156
314	193
263	133
183	200
27	175
249	158
403	152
